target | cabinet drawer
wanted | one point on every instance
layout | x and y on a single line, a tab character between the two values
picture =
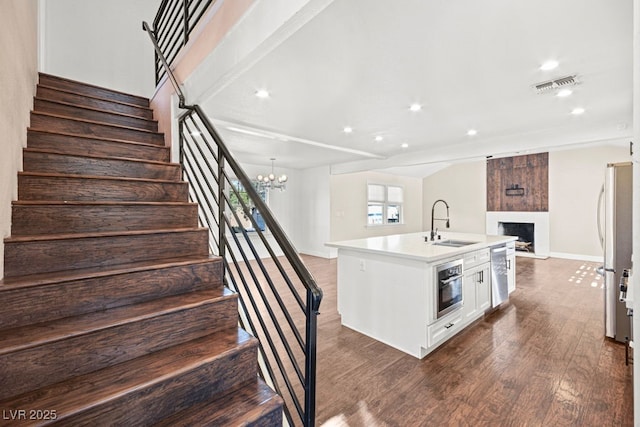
474	258
443	329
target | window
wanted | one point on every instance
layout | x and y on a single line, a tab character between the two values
243	220
384	204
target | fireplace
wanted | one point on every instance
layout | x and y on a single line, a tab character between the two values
537	223
523	230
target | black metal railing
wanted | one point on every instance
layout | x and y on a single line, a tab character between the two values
172	26
278	297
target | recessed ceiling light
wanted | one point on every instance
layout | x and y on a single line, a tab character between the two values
549	65
262	93
564	92
378	138
405	145
347	129
472	132
577	111
415	107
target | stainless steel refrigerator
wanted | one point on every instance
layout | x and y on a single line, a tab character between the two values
615	226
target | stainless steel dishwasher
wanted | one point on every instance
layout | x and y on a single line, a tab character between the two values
499	278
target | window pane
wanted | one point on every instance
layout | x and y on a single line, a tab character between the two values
374	214
393	214
375	192
394	194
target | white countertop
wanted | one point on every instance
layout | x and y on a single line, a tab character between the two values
413	245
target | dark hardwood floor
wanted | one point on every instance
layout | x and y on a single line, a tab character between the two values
540	360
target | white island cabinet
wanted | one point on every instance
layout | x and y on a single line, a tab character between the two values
388	289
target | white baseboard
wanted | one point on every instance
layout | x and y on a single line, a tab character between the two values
320	254
579	257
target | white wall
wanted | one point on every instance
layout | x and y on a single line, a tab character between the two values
314	213
18	59
575	178
99	42
349	205
464	187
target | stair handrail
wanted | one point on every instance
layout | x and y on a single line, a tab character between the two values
314	292
181	99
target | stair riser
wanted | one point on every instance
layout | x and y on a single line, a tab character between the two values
45	303
32	187
93	91
159	400
63	219
72	165
45	256
266	419
46	106
87	146
99	104
254	404
77	127
40	366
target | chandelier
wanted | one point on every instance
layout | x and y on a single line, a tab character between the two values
273	181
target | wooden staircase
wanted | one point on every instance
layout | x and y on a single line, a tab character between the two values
112	310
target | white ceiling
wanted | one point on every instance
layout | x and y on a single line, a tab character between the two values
469	63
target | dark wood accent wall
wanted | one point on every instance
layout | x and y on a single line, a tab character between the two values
519	183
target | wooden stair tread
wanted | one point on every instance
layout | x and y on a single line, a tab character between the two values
49	160
46	86
24	337
100	138
32	299
67	236
58	217
92	156
241	405
77	119
56	252
95	113
88	390
68	104
10	283
109	178
96	203
64	186
141	100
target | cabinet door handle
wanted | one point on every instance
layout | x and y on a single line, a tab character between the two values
508	264
448	325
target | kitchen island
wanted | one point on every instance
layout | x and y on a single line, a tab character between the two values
414	294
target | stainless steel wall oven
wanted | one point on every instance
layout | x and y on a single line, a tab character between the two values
448	287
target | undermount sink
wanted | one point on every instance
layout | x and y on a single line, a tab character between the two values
453	243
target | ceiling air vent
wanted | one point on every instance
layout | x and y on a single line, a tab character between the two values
556	83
